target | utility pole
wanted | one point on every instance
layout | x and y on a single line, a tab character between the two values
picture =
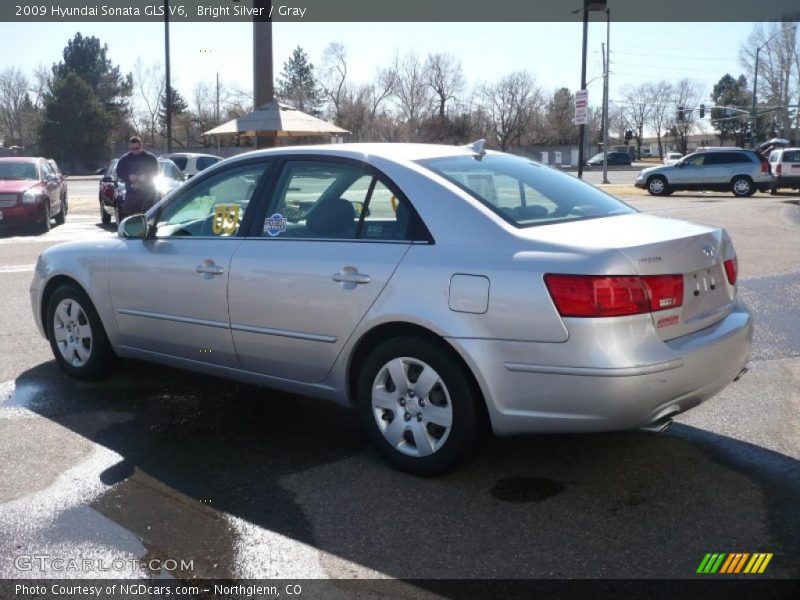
582	127
168	91
216	110
606	69
263	79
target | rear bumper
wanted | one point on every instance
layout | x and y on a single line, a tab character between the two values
22	214
599	382
787	181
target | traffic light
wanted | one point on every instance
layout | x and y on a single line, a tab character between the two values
680	113
628	135
702	110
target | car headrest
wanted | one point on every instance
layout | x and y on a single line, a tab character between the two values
333	217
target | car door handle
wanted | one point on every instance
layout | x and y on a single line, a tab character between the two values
347	276
209	268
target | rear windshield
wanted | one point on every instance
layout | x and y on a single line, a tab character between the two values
526	193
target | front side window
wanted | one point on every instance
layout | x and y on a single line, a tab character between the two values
213	208
525	193
331	200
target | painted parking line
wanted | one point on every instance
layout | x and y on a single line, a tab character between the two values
17	269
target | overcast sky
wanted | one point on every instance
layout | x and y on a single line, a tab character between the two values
550	51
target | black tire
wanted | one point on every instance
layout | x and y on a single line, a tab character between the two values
44	226
453	391
105	218
773	190
100	354
657	186
62	214
742	187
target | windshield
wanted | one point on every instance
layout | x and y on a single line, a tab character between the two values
18	170
526	193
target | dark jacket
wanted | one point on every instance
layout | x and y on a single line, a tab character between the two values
140	194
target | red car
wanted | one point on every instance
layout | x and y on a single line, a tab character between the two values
30	193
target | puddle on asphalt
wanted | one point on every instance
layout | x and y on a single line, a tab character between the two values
526	489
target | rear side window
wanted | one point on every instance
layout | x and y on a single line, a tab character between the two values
791	156
717	158
523	192
180	161
204	162
738	157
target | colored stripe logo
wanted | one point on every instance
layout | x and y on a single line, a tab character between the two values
734	563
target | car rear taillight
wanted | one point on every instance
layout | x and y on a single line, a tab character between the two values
613	296
765	167
731	269
778	169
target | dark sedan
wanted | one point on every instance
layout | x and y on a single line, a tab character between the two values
614	159
112	190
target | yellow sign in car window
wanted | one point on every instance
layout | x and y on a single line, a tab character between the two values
226	219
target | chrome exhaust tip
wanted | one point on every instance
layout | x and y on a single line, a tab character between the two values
658	426
742	372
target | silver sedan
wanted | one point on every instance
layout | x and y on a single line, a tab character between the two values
442	292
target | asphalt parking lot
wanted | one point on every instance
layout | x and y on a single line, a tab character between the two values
249	483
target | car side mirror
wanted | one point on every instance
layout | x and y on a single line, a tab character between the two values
133	228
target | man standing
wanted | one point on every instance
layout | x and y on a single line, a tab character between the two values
137	169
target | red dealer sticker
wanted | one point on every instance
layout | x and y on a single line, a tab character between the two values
667	321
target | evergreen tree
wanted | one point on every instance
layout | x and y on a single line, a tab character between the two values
730	92
298	86
85	57
75	127
179	106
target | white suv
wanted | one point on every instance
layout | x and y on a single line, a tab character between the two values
191	163
785	166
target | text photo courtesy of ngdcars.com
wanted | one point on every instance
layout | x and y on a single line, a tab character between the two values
304	304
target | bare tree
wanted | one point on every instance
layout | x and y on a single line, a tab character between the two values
510	105
559	126
636	108
16	109
362	109
686	94
660	95
778	67
445	78
411	91
148	89
333	78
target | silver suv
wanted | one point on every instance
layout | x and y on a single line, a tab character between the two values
742	172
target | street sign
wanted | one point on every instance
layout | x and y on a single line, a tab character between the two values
581	107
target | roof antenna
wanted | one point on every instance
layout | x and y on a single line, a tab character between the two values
478	147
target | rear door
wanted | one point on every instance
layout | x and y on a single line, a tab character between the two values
717	168
320	254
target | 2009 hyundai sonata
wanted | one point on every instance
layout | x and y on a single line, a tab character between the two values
440	291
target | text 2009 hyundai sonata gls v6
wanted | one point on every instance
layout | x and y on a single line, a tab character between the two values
438	290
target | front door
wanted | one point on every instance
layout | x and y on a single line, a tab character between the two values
329	242
170	293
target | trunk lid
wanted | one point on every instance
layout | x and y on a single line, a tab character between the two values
661	246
